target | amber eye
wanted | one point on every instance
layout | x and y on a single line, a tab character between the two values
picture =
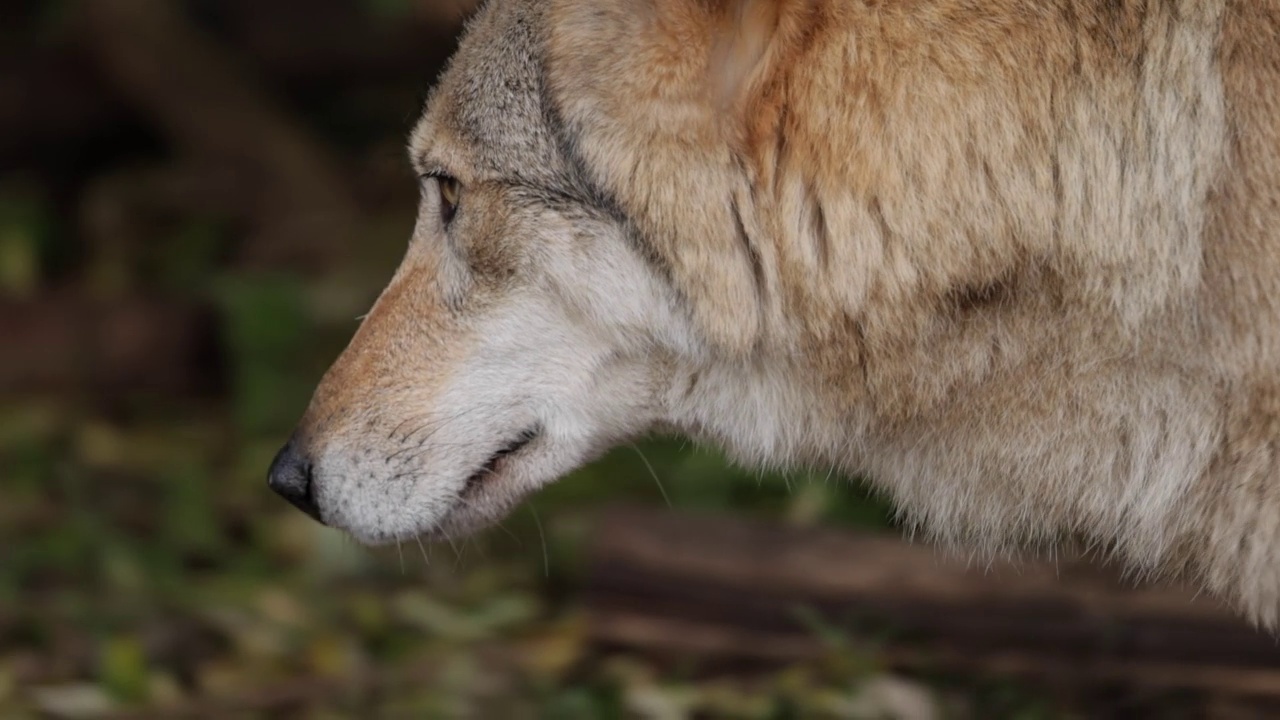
450	196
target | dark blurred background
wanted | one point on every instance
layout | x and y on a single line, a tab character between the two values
197	199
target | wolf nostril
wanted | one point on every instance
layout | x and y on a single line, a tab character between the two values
290	477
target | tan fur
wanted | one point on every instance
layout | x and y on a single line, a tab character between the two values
1017	262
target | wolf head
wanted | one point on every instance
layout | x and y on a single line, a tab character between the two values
532	324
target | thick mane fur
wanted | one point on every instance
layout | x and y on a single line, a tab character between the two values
1018	262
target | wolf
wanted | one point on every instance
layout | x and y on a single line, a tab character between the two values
1016	263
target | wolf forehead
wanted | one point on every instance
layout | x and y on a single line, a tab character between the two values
491	116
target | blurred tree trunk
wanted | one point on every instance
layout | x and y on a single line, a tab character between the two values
730	591
70	341
300	212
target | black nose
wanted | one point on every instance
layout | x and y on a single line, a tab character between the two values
290	477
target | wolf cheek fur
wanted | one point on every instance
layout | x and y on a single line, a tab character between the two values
1017	263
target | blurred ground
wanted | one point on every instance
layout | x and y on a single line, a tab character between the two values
196	201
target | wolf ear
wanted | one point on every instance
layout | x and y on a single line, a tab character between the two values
657	96
745	34
720	48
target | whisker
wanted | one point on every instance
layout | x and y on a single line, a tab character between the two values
433	424
506	530
396	429
546	555
413	447
652	473
421	548
438	422
457	553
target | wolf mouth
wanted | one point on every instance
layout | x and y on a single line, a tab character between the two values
491	465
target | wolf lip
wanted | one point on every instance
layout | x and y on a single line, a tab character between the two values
520	442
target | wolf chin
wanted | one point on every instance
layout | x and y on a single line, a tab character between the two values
1017	263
